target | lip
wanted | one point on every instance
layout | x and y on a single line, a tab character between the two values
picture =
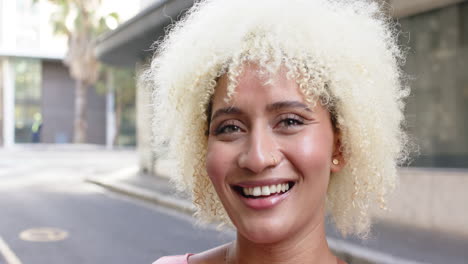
265	202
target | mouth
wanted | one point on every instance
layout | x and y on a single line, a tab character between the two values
264	191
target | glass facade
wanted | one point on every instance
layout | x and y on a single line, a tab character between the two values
27	99
127	133
125	100
437	110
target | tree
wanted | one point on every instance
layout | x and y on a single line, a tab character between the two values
81	22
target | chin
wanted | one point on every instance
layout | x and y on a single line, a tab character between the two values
265	231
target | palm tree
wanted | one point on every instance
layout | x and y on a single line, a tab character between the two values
81	23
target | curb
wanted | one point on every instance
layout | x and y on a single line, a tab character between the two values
349	252
352	253
149	196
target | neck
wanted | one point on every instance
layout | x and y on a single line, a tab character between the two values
310	245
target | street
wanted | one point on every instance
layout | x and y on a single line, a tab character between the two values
49	214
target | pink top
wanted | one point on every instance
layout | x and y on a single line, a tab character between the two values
183	259
180	259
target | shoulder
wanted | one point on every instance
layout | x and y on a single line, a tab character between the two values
179	259
214	255
210	256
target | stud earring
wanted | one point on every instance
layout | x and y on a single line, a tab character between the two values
335	161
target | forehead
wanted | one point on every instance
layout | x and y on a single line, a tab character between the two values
254	85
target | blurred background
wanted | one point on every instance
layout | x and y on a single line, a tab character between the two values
80	184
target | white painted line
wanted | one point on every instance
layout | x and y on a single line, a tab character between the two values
368	254
7	253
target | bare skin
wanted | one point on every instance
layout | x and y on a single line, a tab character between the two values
244	252
268	132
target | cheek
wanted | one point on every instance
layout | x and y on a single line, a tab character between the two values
218	160
311	152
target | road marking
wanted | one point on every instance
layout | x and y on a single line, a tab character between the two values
7	253
43	234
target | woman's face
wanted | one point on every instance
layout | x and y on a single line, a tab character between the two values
263	141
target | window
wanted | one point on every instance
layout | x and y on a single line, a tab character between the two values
27	98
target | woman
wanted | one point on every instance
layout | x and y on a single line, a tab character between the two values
277	113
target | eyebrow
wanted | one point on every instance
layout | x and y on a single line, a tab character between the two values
232	110
287	104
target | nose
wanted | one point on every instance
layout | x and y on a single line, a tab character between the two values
259	152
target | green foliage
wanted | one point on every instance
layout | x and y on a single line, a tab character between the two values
123	84
84	15
82	23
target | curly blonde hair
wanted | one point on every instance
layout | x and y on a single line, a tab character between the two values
343	54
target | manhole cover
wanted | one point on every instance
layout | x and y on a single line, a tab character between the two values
43	234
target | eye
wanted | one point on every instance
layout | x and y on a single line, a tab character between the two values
227	129
289	122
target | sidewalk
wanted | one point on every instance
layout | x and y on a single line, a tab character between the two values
388	243
153	189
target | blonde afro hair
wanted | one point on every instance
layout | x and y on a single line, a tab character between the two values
343	54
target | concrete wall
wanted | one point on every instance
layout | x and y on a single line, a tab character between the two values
96	117
431	199
437	110
1	100
143	125
58	107
403	8
437	63
57	103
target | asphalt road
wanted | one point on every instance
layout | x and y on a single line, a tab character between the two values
86	224
46	188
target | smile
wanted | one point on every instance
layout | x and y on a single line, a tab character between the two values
264	196
262	191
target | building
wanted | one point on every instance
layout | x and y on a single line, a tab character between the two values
35	86
432	190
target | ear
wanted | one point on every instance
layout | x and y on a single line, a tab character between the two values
337	155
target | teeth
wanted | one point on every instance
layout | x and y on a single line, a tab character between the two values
266	190
273	188
256	191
